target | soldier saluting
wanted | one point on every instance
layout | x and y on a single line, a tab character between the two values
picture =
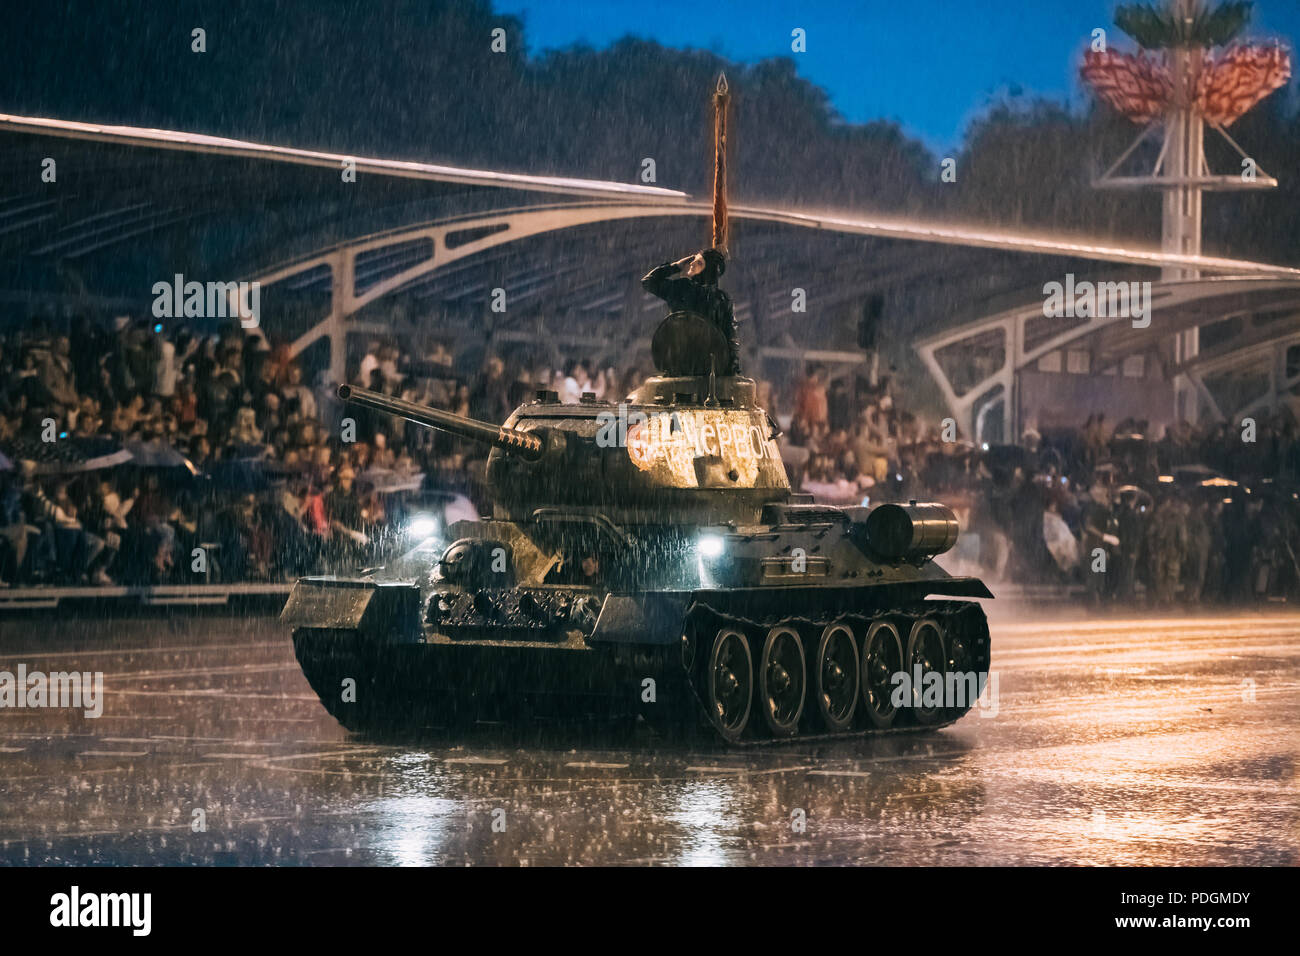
691	285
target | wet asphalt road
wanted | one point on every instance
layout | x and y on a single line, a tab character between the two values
1112	741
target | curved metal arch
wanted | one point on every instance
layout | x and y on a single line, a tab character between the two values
498	228
1259	351
510	225
1017	354
523	222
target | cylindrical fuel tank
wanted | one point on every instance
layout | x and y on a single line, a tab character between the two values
912	530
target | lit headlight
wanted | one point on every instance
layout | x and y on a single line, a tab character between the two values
422	526
709	546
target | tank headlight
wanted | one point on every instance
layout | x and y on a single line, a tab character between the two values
422	526
710	546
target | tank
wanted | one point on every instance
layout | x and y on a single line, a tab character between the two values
648	559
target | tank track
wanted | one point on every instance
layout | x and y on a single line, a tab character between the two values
394	693
964	619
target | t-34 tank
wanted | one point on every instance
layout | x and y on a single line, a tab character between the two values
648	558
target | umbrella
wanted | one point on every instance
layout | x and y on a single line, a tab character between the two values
385	480
1006	456
1201	476
247	474
156	454
1107	472
68	456
1143	498
1002	460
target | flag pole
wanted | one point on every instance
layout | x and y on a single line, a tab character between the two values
721	99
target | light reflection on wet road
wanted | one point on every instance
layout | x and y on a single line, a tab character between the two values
1115	741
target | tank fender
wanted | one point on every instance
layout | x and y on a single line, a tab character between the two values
387	613
957	587
641	618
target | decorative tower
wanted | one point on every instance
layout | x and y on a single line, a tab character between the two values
1189	72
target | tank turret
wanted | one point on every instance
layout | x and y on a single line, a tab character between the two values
680	449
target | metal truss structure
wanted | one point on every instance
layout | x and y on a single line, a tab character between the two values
1254	318
568	252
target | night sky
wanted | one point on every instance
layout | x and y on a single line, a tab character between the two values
929	64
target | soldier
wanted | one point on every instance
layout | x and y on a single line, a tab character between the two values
1131	522
1167	546
1216	570
1101	531
691	285
1199	542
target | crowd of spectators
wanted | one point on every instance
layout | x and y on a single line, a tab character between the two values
240	470
236	458
233	456
1189	513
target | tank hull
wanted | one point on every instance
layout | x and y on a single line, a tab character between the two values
379	670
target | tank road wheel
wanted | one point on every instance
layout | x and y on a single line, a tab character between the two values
882	658
925	651
967	681
688	651
781	680
730	683
836	674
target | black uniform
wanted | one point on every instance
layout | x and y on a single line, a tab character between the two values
701	296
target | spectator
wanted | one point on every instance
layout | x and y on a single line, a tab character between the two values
577	379
369	365
1166	546
294	390
489	400
14	529
811	414
343	509
57	375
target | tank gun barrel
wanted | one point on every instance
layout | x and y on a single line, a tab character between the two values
512	440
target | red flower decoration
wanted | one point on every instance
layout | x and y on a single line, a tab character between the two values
1140	86
1137	85
1238	79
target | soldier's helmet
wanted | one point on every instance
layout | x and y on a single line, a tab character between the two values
715	263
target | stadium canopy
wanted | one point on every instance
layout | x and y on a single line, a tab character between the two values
1001	373
417	247
126	201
